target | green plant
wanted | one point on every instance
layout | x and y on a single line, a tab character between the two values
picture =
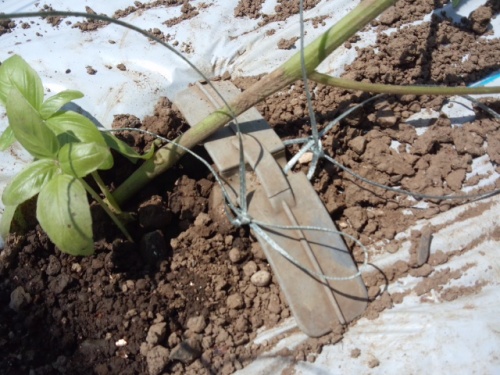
66	147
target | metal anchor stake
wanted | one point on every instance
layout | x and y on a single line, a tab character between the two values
317	304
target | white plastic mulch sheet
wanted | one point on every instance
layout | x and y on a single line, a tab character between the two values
419	335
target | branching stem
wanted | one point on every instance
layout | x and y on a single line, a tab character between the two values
105	207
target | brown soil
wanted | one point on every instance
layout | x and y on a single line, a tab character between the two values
181	298
188	11
90	24
53	20
6	26
287	43
283	10
138	6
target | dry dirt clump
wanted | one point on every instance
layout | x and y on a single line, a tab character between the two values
188	11
406	11
165	122
251	9
121	13
53	20
287	43
436	52
285	8
157	33
90	24
479	19
6	26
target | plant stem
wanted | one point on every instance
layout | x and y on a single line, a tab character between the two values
106	209
283	76
107	194
399	90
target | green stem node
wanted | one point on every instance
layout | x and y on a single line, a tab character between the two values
107	210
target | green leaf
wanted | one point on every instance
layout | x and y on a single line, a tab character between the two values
29	181
124	148
54	103
15	72
63	211
80	159
7	216
455	3
70	127
150	153
7	139
29	128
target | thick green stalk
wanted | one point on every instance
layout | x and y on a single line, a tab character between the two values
399	90
286	74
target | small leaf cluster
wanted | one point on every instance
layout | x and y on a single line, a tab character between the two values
66	147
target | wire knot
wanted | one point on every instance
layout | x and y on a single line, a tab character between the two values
241	219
